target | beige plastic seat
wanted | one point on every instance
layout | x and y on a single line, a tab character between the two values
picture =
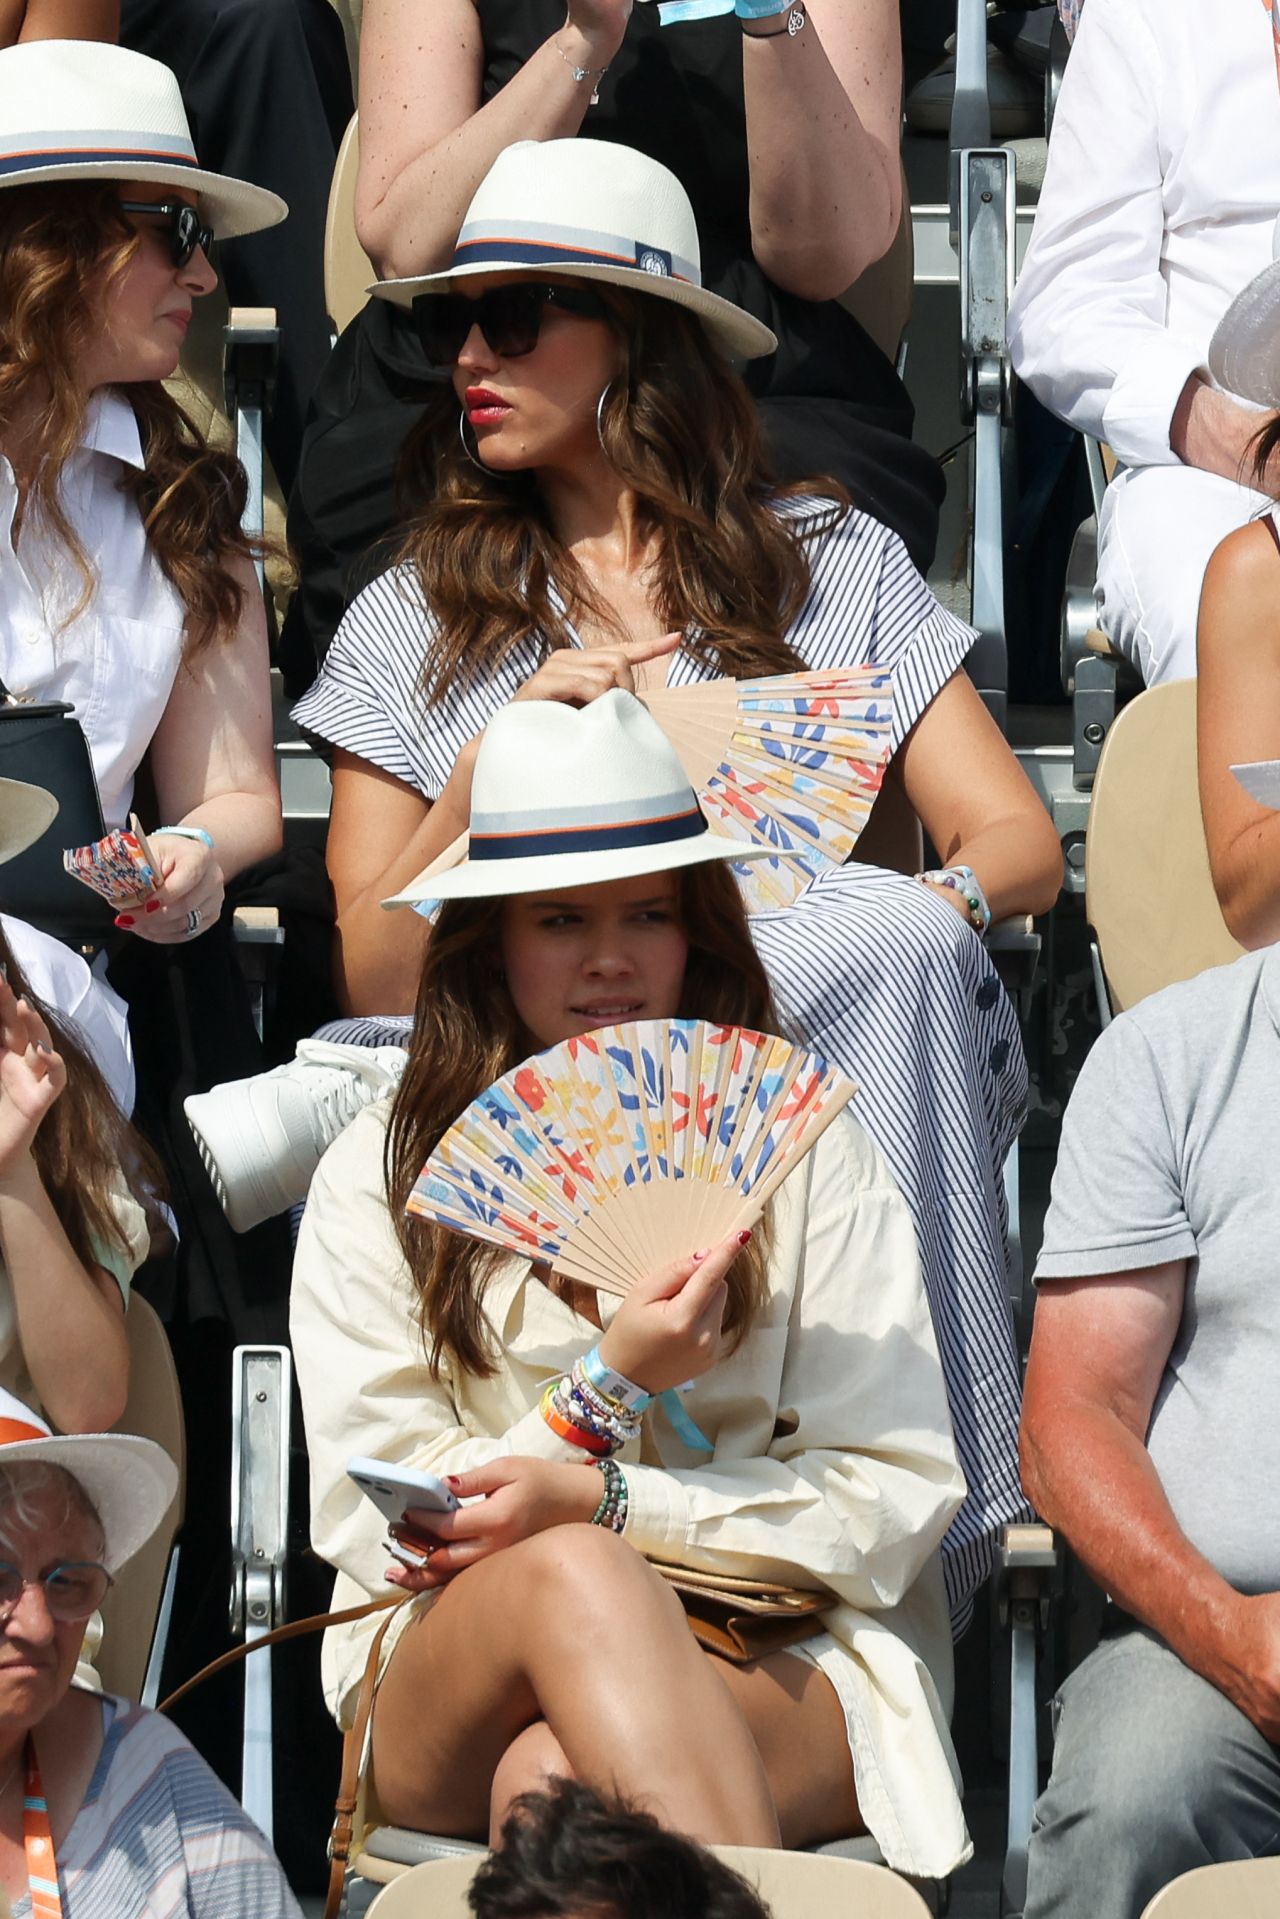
795	1885
154	1410
348	270
1148	891
1246	1889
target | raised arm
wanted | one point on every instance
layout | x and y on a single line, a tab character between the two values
425	140
1238	719
822	109
823	117
58	20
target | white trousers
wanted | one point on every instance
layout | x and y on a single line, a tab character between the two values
1157	531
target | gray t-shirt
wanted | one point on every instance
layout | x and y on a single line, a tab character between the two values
1171	1150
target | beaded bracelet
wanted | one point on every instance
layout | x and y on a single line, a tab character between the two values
186	833
964	881
566	1428
612	1510
576	1402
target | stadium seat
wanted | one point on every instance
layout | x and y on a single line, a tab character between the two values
1245	1889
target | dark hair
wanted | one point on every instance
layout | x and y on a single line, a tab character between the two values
466	1034
567	1853
62	245
1264	443
682	431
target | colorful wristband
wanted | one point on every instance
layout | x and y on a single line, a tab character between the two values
186	833
615	1386
594	1443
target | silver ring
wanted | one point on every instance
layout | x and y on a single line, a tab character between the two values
193	921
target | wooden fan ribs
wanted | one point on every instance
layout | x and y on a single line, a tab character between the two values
624	1149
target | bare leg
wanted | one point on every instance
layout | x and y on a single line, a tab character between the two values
571	1626
798	1727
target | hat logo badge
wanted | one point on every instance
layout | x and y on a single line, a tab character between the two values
654	260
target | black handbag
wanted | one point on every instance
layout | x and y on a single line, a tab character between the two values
43	743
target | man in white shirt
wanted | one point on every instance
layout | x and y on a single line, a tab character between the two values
1159	205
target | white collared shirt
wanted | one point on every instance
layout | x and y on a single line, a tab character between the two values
117	661
1158	206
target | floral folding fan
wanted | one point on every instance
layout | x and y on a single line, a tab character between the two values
612	1154
793	762
120	867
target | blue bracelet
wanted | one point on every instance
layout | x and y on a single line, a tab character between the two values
613	1385
186	833
761	9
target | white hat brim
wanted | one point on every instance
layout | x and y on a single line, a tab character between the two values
741	335
26	813
132	1482
1261	781
490	879
232	207
1244	353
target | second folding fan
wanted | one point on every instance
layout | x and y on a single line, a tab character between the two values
612	1154
793	762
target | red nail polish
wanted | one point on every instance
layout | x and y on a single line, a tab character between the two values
153	906
124	919
451	1479
744	1236
702	1255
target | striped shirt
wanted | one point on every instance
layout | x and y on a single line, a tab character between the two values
158	1836
868	967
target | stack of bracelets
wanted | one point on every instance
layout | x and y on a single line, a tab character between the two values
597	1409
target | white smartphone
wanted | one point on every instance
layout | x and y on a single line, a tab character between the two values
394	1489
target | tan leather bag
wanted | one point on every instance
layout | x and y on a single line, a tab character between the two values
744	1619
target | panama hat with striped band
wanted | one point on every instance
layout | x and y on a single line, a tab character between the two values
588	210
79	110
129	1481
26	812
573	796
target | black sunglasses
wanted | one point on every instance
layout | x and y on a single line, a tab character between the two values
509	317
186	229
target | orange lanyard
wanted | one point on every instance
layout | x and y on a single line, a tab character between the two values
37	1839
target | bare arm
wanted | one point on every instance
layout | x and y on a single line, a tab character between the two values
425	140
977	805
381	835
58	20
1098	1353
823	144
1211	430
70	1318
212	756
822	130
1238	719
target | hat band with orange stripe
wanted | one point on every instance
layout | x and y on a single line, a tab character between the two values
535	839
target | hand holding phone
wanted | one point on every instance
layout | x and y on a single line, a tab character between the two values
394	1490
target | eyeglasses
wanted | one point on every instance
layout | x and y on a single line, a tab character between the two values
72	1589
509	317
187	230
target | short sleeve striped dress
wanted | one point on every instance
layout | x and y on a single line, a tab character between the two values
867	966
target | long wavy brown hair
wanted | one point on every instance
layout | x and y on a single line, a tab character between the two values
466	1034
62	247
85	1144
682	431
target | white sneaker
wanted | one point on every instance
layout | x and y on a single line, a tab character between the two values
261	1139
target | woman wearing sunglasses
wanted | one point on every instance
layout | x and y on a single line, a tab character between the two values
105	1810
126	585
603	516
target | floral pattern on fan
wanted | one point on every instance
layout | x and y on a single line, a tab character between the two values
793	762
622	1149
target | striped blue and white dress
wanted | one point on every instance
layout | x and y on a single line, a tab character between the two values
158	1836
867	966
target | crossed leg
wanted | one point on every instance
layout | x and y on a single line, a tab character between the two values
569	1654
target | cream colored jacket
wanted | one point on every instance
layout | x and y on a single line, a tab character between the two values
833	1461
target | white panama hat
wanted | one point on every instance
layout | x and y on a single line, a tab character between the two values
573	796
1244	353
79	110
25	813
590	210
130	1481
